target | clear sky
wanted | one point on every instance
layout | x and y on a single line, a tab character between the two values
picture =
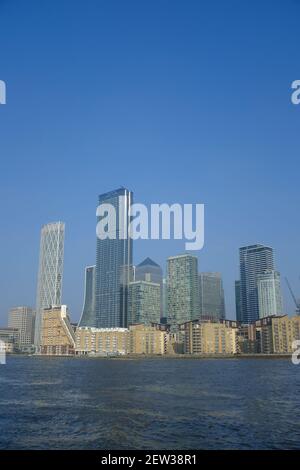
180	101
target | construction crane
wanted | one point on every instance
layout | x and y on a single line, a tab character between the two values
297	302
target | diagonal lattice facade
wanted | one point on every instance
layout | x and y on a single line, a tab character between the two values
49	289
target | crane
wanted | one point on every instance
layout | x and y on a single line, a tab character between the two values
297	302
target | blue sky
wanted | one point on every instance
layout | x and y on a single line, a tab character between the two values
180	101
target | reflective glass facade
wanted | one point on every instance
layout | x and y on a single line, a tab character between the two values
114	265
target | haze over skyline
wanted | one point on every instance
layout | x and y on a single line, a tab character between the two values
187	105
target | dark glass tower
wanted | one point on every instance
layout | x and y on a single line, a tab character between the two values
254	260
88	317
114	264
238	307
211	292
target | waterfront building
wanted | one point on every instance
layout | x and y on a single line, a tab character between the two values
144	302
182	289
50	275
210	337
88	316
254	260
101	341
23	319
114	264
269	294
277	333
148	339
57	334
211	293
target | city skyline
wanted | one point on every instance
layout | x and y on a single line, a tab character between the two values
87	313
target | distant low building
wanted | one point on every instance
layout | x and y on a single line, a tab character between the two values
10	340
23	319
57	334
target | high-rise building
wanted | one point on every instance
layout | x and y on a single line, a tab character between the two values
114	264
254	260
269	294
211	292
23	319
238	301
88	317
182	289
144	302
150	271
49	289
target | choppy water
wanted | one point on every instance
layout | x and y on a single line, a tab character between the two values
61	403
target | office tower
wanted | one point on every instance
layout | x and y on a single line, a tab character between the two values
238	307
57	334
23	319
164	318
144	302
114	263
211	292
254	260
88	317
182	289
150	271
49	289
269	294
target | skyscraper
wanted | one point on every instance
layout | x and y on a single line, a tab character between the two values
144	302
182	289
88	317
211	292
114	264
269	294
49	288
150	271
238	307
254	260
23	319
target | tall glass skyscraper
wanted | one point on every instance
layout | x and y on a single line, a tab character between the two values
238	302
88	317
254	260
269	294
150	271
182	289
49	288
211	292
114	264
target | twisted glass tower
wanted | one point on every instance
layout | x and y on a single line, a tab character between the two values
114	264
88	317
49	288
